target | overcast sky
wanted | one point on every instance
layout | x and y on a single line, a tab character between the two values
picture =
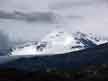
84	15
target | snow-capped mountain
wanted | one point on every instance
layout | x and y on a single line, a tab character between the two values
59	42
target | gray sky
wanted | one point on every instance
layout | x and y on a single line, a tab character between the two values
84	15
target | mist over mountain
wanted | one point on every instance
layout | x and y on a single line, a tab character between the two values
5	43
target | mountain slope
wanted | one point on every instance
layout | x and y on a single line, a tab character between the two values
96	55
59	42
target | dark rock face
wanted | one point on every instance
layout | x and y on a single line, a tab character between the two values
87	43
81	37
41	46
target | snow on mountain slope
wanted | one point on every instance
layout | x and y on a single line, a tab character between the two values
96	40
59	42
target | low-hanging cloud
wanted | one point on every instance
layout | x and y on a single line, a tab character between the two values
5	43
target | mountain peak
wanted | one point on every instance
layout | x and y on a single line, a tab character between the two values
59	42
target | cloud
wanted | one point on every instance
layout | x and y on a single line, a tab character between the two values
46	17
84	15
5	43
